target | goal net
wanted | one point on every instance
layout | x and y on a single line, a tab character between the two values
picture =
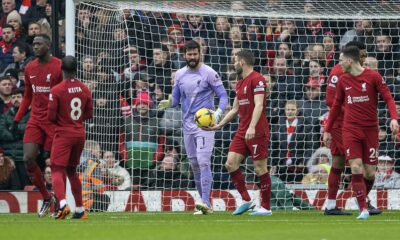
129	51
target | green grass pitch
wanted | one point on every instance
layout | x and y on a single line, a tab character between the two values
221	225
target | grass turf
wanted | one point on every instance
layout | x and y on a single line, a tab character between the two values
220	225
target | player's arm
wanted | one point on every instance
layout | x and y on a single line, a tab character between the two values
26	100
335	110
387	97
257	111
228	117
88	113
172	100
52	108
223	102
331	90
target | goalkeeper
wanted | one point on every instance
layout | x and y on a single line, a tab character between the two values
194	87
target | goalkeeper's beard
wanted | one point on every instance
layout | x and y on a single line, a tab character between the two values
193	63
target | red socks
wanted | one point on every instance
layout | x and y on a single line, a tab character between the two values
359	189
36	177
334	182
265	190
58	175
76	186
238	180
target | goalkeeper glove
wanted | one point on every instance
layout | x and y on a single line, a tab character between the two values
217	116
164	104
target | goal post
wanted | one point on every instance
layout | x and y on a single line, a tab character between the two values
129	51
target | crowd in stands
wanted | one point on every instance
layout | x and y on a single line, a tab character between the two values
129	59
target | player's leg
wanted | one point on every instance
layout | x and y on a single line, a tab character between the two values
35	175
358	186
76	185
233	167
335	174
190	147
370	162
204	148
338	164
258	147
61	150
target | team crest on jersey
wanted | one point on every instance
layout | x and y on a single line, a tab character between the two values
349	101
364	87
48	78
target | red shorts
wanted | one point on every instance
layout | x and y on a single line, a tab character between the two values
336	145
258	147
66	151
361	143
41	134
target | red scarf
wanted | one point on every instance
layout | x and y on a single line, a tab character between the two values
5	47
329	56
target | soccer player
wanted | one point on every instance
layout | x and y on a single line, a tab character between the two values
252	135
336	144
358	90
41	75
195	86
70	103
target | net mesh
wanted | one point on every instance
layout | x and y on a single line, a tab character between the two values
129	53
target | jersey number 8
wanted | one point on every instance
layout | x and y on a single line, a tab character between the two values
76	110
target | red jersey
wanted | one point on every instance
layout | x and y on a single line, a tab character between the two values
245	91
39	79
333	80
360	97
70	103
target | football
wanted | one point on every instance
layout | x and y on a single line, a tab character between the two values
204	117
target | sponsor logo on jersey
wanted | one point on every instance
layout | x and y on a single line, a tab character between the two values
334	79
245	90
40	89
260	87
358	99
244	101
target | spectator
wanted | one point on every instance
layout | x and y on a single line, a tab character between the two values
197	27
286	84
14	75
5	94
371	63
291	144
175	36
290	33
141	133
237	7
331	50
12	141
7	7
115	176
136	66
91	150
313	106
160	68
168	172
386	177
6	46
8	176
385	52
88	69
21	56
14	19
362	32
386	144
175	55
171	123
318	166
47	178
37	12
34	28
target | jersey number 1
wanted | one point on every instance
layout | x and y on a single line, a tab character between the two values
76	110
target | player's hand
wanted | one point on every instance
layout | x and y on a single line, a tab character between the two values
164	104
14	127
250	133
394	126
217	116
213	128
327	139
